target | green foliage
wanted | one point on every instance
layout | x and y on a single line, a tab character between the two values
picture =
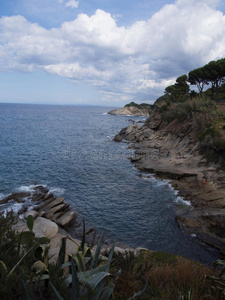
179	111
140	106
219	143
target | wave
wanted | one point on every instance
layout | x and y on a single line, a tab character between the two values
15	206
28	188
57	191
180	200
167	183
2	196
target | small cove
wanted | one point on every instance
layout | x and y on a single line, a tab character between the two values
69	149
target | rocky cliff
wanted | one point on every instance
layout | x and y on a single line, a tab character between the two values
172	150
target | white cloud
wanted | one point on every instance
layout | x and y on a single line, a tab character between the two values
122	62
72	3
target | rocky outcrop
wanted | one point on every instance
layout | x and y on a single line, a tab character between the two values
46	205
172	151
130	111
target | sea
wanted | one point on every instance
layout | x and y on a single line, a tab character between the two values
70	150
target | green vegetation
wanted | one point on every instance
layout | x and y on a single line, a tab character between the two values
140	106
205	110
26	273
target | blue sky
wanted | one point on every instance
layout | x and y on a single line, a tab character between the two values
103	52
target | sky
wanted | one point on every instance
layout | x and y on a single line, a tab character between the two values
104	52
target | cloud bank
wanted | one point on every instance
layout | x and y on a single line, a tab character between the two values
122	63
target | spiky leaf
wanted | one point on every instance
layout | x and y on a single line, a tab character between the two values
58	297
27	293
75	288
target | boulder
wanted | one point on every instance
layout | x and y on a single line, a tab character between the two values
45	227
130	128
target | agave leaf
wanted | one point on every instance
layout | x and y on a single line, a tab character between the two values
86	251
85	276
110	256
30	222
108	291
79	261
75	288
68	280
96	255
62	252
65	265
3	269
19	262
58	297
86	260
27	293
97	278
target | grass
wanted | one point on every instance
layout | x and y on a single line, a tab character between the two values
168	276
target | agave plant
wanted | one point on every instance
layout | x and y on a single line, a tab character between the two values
86	276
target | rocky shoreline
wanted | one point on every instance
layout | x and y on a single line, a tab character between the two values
172	152
54	219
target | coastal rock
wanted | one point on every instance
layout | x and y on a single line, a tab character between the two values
129	111
53	203
45	227
18	197
118	138
42	227
66	219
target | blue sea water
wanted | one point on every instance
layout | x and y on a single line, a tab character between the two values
70	150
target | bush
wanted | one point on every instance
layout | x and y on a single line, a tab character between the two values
219	144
